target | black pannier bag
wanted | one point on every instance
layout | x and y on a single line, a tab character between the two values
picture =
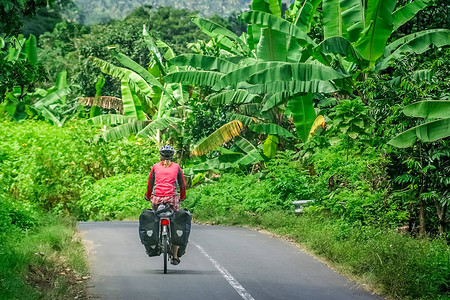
181	228
149	231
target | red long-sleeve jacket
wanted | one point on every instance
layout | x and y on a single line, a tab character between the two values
163	181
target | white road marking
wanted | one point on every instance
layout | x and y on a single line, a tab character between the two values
231	280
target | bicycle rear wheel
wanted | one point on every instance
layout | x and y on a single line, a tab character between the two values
165	250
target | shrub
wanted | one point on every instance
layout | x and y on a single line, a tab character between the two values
114	198
49	166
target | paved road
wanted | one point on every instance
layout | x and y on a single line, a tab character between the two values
220	263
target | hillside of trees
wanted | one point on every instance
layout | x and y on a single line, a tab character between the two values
94	12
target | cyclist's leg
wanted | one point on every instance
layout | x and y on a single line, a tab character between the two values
175	251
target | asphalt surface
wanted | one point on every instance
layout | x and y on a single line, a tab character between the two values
220	263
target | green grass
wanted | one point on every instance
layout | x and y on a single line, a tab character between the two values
396	265
42	262
390	263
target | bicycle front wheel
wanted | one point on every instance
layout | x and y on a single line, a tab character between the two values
165	250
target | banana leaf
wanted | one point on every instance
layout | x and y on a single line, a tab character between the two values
303	114
209	165
208	63
134	66
111	119
30	49
132	106
268	6
407	12
377	29
122	131
272	129
246	120
342	18
61	83
218	137
305	14
318	122
169	54
48	115
244	145
270	146
428	132
216	31
295	52
290	88
159	124
340	45
134	79
429	109
278	24
231	96
198	78
250	158
51	98
152	47
273	100
414	43
271	46
241	74
293	72
254	110
252	154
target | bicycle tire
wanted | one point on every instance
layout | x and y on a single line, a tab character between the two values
165	242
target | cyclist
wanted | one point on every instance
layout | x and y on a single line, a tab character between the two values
164	178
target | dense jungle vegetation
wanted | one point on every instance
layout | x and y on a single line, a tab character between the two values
345	103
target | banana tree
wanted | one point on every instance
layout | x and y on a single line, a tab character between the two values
359	32
436	126
272	70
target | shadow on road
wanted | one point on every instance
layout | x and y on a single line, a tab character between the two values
182	272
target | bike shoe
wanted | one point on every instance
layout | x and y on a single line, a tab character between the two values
175	261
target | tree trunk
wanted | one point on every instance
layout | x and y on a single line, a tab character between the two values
422	225
441	213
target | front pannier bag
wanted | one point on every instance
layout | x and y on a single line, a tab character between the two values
181	228
149	231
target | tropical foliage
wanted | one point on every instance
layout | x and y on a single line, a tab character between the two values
342	102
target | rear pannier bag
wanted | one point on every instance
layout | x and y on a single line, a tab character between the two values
149	231
181	228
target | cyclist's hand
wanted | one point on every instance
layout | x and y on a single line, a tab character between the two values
145	197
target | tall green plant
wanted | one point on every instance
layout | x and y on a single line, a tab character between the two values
436	126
